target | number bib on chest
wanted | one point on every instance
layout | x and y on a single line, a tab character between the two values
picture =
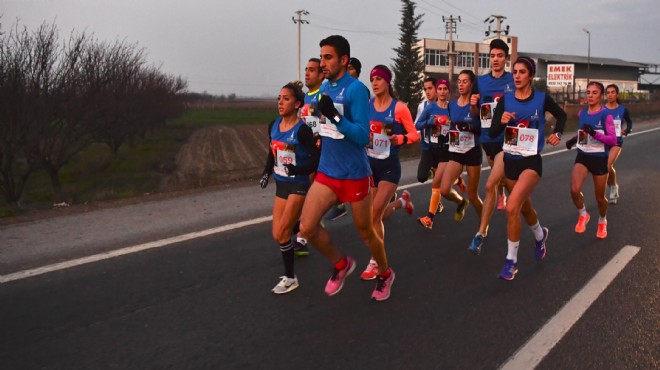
588	144
486	114
617	127
313	123
521	141
329	129
284	157
380	146
460	141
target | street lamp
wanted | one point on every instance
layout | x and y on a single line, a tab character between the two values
588	53
299	22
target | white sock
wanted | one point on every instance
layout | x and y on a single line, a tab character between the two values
537	230
583	211
301	240
512	250
403	202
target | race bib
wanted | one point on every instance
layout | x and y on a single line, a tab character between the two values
380	146
588	144
460	141
521	141
329	129
486	114
436	132
284	157
313	123
617	127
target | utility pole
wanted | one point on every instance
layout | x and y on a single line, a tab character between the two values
450	28
588	54
499	31
299	22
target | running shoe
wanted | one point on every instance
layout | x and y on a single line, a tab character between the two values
477	243
370	272
426	222
461	185
383	287
602	230
509	271
300	247
285	285
539	249
409	205
336	212
440	208
501	202
393	198
460	211
336	281
614	194
581	225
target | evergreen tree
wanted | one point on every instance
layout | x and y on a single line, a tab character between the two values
409	64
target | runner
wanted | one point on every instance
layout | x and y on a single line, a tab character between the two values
310	115
430	157
391	126
434	123
596	135
521	116
464	149
487	91
293	157
619	113
344	174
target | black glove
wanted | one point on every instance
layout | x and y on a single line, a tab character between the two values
571	143
264	180
589	130
290	169
462	126
327	106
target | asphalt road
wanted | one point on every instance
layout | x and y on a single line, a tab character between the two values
205	302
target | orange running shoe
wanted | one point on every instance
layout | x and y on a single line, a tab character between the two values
582	223
602	230
426	222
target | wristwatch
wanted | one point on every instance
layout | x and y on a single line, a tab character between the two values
558	135
335	119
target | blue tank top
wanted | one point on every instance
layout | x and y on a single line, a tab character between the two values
597	121
462	114
491	90
287	149
529	114
384	123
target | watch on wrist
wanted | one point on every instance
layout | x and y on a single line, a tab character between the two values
558	134
336	119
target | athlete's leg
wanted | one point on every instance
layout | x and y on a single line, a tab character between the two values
600	181
578	176
474	174
317	202
450	174
383	208
520	192
615	151
363	220
495	177
424	166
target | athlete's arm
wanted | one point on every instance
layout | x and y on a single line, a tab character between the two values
270	160
420	109
557	112
358	130
497	127
402	114
307	140
626	117
609	137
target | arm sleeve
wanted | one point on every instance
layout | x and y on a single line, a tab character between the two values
402	114
422	118
496	127
270	159
420	109
626	117
609	137
557	112
307	140
358	130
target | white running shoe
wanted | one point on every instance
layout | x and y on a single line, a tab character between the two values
286	285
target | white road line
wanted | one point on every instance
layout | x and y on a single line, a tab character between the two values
128	250
160	243
533	352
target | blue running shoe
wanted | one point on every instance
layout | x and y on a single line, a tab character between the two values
509	271
539	250
477	243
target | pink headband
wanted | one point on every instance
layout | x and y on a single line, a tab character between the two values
442	82
382	73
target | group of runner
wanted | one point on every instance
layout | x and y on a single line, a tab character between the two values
336	145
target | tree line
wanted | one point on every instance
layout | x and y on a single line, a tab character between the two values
60	95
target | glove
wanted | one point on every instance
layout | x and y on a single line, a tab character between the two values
264	180
290	169
571	143
327	106
462	126
589	130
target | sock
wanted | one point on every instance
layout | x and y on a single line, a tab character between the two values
583	211
301	240
341	264
296	228
537	230
435	200
386	274
287	258
431	215
403	202
512	251
602	220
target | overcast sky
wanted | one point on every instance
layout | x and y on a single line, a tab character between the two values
251	47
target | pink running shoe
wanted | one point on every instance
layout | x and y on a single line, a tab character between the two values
383	287
409	206
336	281
501	202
